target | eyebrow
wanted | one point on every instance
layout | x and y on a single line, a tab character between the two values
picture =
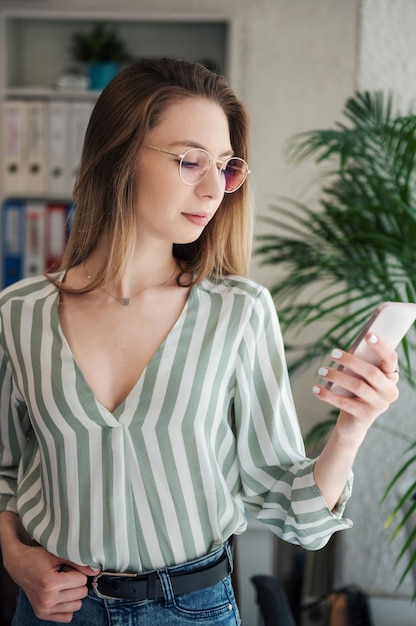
194	144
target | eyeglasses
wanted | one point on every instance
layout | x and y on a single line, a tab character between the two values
194	165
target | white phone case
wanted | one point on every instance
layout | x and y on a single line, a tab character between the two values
390	321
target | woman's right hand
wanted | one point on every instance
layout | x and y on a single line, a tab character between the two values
55	587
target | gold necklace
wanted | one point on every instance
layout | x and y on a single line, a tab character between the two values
126	301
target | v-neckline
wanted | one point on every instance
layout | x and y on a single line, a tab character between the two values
117	412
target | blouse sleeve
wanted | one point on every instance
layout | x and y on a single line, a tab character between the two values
13	427
277	478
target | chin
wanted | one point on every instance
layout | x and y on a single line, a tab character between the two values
188	240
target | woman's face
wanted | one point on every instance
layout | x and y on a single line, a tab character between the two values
167	209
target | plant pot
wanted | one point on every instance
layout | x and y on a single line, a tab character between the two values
101	73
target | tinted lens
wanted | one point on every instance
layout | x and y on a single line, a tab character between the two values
194	166
235	171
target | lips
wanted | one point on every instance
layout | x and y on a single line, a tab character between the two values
198	220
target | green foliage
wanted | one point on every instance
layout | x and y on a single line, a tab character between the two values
356	249
406	506
100	44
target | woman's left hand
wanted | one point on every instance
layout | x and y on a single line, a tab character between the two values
369	389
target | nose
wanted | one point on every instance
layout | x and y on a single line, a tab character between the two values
213	183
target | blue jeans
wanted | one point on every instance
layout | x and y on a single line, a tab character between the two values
214	605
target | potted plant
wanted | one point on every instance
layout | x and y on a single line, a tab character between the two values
102	50
356	248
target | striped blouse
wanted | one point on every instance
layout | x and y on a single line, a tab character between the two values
208	431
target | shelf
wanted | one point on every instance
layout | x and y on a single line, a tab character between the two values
50	92
37	48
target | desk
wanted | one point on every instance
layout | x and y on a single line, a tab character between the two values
392	611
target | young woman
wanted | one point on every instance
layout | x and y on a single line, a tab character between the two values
145	400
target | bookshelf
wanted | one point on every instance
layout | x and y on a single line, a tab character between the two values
34	52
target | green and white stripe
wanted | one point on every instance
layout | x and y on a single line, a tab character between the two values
208	430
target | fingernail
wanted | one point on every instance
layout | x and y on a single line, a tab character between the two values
336	354
316	389
323	371
373	339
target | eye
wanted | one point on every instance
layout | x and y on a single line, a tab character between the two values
195	159
232	169
190	164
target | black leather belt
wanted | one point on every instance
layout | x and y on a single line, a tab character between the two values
113	586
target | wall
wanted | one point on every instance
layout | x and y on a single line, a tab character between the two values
388	49
306	64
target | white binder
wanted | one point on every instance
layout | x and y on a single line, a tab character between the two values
58	148
14	140
79	117
36	142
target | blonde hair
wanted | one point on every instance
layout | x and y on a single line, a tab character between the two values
128	108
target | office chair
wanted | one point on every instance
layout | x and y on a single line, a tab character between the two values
272	600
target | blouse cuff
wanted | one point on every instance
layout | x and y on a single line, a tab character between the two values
339	508
8	503
305	504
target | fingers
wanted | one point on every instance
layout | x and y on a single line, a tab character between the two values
55	588
58	597
362	389
58	605
388	358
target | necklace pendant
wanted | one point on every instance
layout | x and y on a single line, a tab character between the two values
125	301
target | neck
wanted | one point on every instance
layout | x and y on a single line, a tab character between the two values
135	280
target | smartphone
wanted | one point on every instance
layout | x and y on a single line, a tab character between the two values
390	321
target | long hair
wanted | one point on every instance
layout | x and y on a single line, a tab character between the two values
127	109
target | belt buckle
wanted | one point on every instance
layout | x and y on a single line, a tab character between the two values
94	583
